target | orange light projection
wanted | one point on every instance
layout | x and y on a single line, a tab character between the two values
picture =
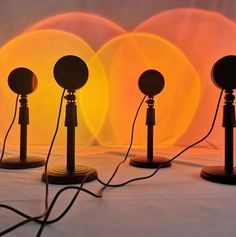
182	44
204	37
125	58
39	51
95	30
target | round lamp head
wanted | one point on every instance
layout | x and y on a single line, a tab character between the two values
22	81
224	73
151	82
70	72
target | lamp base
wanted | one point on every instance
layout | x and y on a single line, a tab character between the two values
218	174
143	162
60	175
16	163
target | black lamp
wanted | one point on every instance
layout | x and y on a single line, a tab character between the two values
22	81
151	83
224	77
71	73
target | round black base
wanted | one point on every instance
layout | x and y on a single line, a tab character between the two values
60	175
218	174
143	162
16	163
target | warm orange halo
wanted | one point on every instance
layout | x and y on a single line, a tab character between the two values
124	59
204	37
94	29
39	51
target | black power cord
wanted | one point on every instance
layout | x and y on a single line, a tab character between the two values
1	158
10	127
30	218
126	156
105	184
36	219
99	195
173	158
69	206
127	153
47	209
50	149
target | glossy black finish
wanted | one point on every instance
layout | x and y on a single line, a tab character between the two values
23	122
61	175
71	72
218	174
151	82
22	81
18	163
224	72
70	173
144	162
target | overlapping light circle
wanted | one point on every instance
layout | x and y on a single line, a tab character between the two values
182	44
93	29
126	57
39	51
204	37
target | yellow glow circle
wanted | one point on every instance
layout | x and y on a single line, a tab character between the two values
124	59
39	51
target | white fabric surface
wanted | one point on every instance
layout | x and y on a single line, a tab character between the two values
176	202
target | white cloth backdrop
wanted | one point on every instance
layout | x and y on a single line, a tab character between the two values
176	202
